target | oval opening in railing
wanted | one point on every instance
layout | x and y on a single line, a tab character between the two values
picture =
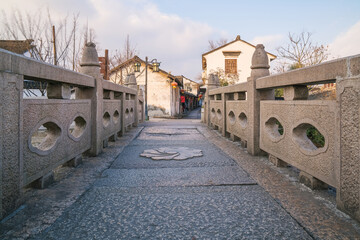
212	114
127	113
218	114
116	116
231	117
243	120
310	140
131	112
44	139
77	128
274	129
106	119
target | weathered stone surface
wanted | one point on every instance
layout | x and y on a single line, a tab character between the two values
314	210
294	146
44	181
113	108
46	133
22	65
260	59
116	211
176	213
311	182
296	93
330	70
76	161
161	177
131	156
89	56
90	66
11	146
348	195
260	68
238	124
58	91
62	113
355	66
43	207
171	153
277	162
169	134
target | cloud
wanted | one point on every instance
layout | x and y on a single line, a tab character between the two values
170	39
176	42
346	44
271	42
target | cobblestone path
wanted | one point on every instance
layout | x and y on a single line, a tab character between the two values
207	197
177	179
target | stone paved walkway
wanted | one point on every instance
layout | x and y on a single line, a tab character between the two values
215	196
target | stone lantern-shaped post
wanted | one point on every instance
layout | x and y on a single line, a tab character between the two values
130	82
260	68
89	65
212	82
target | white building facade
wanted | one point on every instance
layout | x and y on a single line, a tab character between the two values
232	60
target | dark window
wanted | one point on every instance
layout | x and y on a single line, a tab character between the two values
230	66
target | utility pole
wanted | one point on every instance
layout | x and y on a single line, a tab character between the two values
106	64
146	106
53	31
74	46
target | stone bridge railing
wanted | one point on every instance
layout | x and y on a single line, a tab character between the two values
249	112
81	114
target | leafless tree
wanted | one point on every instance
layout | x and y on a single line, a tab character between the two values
301	51
215	44
19	25
38	26
225	79
120	56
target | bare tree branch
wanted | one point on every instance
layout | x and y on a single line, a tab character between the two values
301	52
213	45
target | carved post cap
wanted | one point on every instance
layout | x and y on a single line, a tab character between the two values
89	56
213	80
260	58
127	80
132	79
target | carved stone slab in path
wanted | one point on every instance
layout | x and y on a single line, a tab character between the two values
171	153
161	133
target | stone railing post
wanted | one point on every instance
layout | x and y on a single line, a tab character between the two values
212	82
348	98
141	96
132	84
223	105
90	66
260	68
11	141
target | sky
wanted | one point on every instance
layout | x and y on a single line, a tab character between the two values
176	32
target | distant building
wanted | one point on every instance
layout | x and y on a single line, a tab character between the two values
162	98
232	59
190	86
17	46
25	47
